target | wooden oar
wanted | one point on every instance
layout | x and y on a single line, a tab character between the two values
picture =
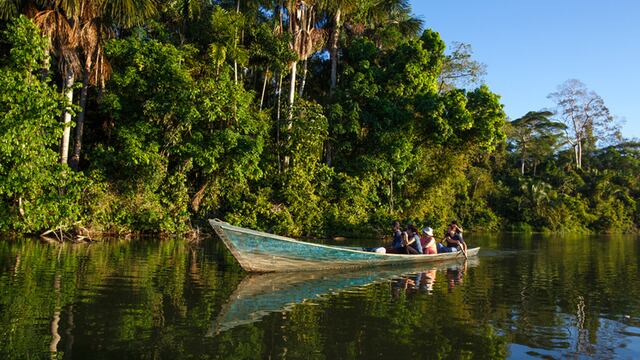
464	251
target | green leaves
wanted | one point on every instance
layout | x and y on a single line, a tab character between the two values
29	48
177	134
36	192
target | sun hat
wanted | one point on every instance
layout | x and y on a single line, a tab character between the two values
428	231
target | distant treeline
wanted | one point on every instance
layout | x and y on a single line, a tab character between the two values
301	118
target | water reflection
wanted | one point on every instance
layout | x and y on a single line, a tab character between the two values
258	295
529	297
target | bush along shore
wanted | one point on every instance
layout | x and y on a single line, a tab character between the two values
151	117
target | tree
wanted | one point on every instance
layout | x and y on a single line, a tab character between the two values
60	25
534	133
388	22
76	31
585	114
338	11
95	26
305	37
459	69
29	175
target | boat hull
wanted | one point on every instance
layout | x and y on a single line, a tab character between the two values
262	252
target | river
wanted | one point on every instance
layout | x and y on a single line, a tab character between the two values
523	297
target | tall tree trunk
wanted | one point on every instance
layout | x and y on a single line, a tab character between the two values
579	154
292	90
522	166
304	78
279	90
264	86
20	207
279	102
235	45
197	198
66	118
575	151
333	51
292	98
77	144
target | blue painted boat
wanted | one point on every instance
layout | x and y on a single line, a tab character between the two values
258	251
258	295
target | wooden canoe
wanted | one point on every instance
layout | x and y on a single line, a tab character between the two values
262	252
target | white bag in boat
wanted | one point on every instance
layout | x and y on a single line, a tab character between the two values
381	250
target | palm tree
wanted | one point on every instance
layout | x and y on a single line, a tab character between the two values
338	10
76	30
60	25
389	13
96	27
305	39
305	36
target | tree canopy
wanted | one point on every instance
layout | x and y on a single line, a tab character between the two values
301	118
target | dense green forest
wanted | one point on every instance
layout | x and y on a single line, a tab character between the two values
298	117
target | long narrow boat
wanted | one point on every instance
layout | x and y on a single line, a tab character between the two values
262	252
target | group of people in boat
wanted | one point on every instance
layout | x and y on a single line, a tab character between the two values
412	241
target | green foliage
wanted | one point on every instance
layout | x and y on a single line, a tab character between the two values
36	193
184	145
177	135
270	50
28	48
225	28
307	178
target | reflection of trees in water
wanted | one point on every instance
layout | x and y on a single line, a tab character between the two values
555	297
55	336
118	291
583	345
154	296
563	296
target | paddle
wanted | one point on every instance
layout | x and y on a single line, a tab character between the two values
462	248
464	251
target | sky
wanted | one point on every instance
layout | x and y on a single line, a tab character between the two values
531	47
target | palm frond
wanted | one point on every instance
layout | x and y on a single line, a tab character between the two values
63	38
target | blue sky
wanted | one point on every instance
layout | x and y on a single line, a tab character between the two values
531	47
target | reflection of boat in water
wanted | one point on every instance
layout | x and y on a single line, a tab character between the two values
260	294
262	252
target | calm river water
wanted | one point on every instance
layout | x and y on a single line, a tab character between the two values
524	297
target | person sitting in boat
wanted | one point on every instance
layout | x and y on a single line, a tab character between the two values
428	242
452	240
411	243
458	235
448	244
396	245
